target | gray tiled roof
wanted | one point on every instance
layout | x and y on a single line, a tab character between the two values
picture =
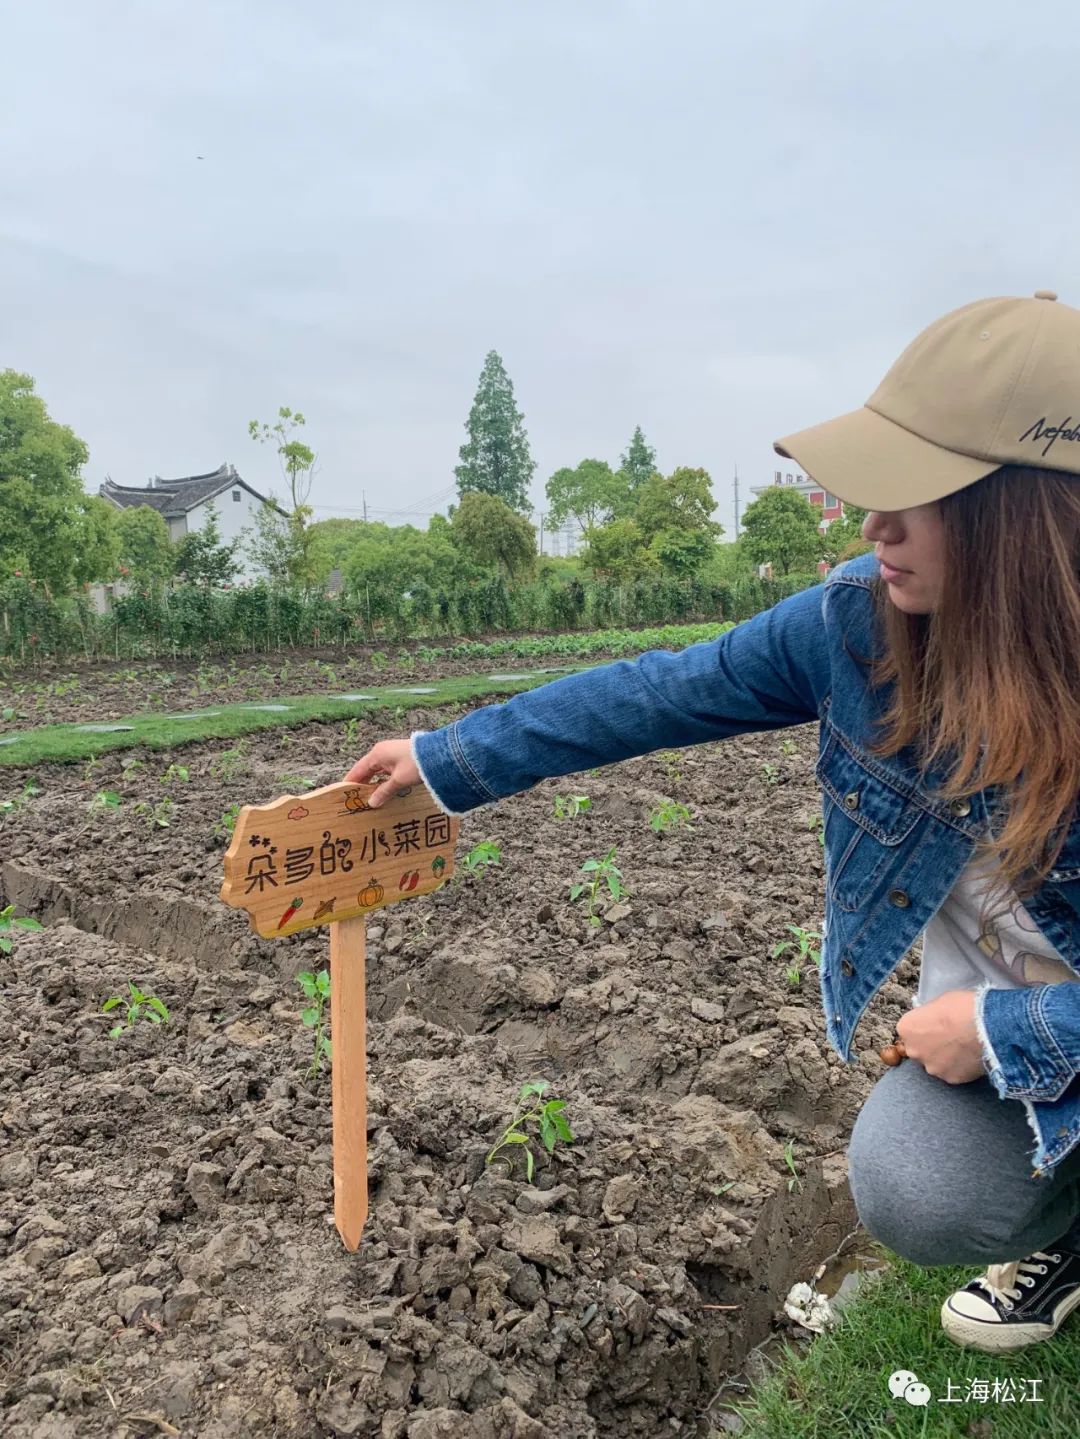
173	498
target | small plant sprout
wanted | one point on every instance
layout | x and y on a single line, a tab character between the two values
131	764
12	806
789	1160
793	975
136	1006
228	763
481	857
569	806
159	814
546	1115
599	873
316	989
669	814
92	764
176	772
105	799
805	945
771	773
8	924
671	759
352	729
226	821
817	824
294	782
788	747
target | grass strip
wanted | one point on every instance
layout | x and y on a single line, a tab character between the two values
840	1385
69	743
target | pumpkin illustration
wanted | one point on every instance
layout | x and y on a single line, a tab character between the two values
371	894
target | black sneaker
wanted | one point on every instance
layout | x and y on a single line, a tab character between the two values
1016	1304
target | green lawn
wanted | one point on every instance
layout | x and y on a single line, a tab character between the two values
840	1385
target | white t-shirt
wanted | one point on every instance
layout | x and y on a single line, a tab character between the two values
1010	953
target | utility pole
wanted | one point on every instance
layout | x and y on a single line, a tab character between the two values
736	502
363	497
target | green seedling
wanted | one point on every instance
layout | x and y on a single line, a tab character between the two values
159	814
7	712
569	806
480	858
226	821
131	765
12	806
137	1006
599	872
92	764
352	729
805	938
817	823
176	772
723	1188
378	660
228	763
316	989
105	799
293	782
789	1160
788	747
671	760
793	975
546	1115
8	924
669	814
772	774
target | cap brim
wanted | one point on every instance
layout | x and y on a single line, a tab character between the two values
868	461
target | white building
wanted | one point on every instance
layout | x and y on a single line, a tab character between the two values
184	505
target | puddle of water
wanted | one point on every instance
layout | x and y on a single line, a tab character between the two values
416	690
193	714
11	739
275	708
515	677
105	728
352	697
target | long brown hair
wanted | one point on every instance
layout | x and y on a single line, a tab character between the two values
990	682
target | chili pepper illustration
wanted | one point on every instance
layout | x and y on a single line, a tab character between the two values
409	879
283	921
414	879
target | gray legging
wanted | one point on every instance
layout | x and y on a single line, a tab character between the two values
941	1173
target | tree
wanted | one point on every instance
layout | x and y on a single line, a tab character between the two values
97	541
203	559
619	552
592	493
674	514
495	460
843	537
146	551
282	545
489	532
781	528
639	462
297	460
396	559
40	486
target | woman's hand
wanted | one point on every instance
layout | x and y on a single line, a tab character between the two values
941	1036
392	758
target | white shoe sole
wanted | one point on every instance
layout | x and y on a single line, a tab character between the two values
998	1337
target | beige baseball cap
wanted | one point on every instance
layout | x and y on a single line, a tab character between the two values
994	383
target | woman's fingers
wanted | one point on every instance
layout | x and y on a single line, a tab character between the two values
390	760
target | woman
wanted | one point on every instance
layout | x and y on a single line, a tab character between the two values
944	670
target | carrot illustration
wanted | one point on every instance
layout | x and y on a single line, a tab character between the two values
283	921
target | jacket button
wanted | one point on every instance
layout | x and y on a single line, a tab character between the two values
899	898
852	800
847	968
960	806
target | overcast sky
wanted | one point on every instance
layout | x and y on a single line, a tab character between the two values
721	222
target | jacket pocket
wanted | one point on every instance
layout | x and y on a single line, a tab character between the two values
866	819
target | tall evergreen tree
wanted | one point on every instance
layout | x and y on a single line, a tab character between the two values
495	459
639	462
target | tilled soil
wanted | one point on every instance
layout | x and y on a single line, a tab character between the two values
166	1197
108	691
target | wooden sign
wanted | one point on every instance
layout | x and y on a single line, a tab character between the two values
328	858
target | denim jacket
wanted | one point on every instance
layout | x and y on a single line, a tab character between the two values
893	850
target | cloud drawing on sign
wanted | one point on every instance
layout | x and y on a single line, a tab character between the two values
299	812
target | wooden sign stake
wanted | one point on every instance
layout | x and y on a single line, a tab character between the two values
327	858
348	1048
